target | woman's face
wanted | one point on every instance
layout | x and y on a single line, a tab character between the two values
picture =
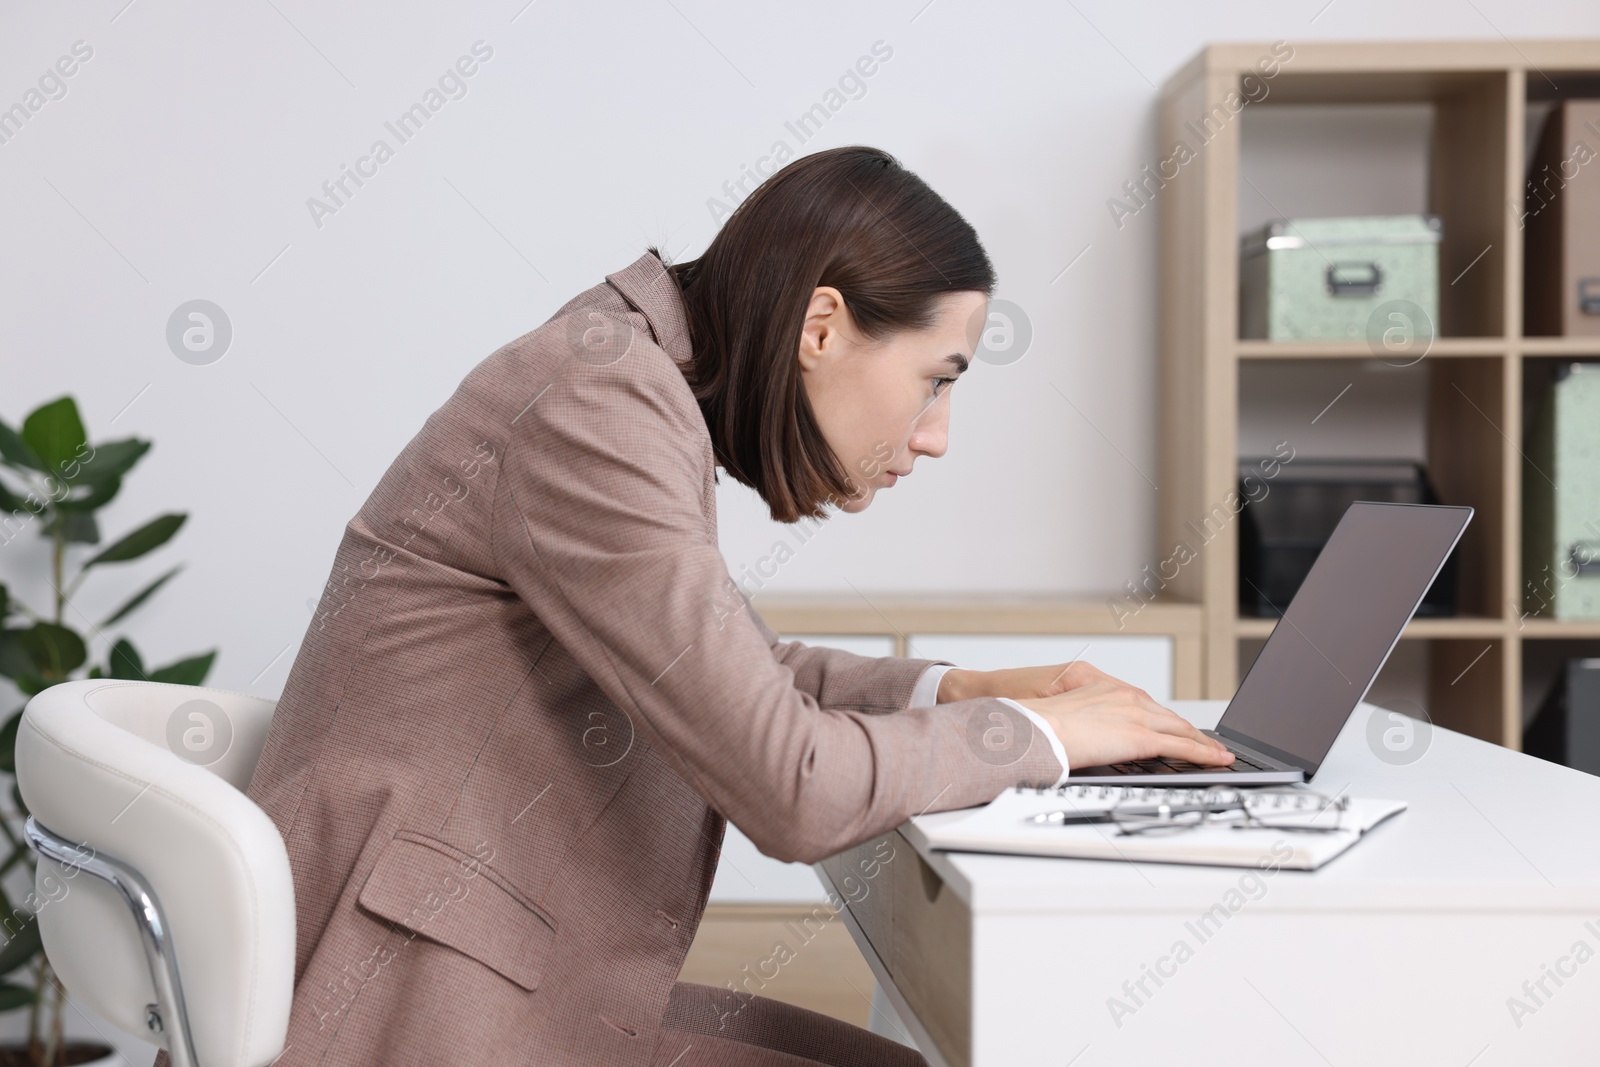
882	404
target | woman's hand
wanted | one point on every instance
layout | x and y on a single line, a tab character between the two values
1019	683
1108	721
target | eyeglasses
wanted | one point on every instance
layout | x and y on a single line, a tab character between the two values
1293	810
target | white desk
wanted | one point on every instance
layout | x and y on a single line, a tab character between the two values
1405	950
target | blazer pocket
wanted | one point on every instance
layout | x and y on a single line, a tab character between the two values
456	899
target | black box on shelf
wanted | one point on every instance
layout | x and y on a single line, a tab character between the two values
1285	522
1566	728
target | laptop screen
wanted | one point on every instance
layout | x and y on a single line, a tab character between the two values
1340	627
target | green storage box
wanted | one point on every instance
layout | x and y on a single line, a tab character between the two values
1561	526
1323	279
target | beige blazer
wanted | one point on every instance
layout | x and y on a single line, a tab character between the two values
530	698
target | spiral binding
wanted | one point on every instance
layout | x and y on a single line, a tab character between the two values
1279	799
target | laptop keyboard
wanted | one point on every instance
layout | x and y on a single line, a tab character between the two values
1241	762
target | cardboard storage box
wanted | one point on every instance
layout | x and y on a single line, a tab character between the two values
1323	279
1561	526
1561	225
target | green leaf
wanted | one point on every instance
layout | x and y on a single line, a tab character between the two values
14	450
14	996
98	496
137	599
40	656
56	435
9	501
5	601
108	461
8	743
21	856
111	459
55	650
152	535
16	663
124	662
30	686
22	946
191	671
81	526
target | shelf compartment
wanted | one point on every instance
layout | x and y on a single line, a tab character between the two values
1457	682
1546	89
1470	688
1543	663
1447	412
1469	460
1469	124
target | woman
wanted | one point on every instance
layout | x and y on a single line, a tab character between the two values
532	694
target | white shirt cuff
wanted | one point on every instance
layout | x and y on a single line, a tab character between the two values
1049	735
926	693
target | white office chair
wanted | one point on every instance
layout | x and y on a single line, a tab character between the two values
184	932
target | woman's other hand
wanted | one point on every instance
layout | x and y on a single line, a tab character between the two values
1020	683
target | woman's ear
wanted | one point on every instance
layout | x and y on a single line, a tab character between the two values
819	334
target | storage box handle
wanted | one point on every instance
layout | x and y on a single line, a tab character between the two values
1589	296
1354	279
1585	558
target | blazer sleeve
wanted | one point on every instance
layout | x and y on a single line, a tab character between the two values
841	679
601	528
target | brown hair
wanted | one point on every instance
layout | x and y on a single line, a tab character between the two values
852	218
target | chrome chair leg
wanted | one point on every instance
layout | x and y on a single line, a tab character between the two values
168	1017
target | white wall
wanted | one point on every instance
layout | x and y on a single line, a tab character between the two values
179	163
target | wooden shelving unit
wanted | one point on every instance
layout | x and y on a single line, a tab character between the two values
1478	370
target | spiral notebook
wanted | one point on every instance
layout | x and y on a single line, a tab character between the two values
1303	829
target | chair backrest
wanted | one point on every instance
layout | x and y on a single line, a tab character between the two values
153	775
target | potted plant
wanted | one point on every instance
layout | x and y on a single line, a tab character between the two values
56	482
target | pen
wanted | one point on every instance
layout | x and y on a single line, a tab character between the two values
1108	815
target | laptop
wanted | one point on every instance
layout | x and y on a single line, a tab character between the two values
1325	651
